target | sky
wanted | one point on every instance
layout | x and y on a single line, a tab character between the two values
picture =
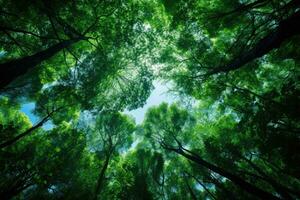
27	108
159	94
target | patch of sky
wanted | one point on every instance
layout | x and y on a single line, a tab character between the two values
28	108
159	95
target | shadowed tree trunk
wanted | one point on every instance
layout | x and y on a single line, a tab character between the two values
286	29
101	176
14	187
242	8
224	190
202	185
282	190
14	192
193	196
13	69
251	189
28	131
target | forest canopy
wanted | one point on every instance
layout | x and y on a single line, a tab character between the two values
233	131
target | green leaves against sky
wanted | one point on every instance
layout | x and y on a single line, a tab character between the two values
234	70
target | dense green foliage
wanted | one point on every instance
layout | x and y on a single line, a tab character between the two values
233	66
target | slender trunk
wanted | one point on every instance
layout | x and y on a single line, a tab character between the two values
101	177
247	91
281	189
223	189
278	169
202	185
190	189
27	132
286	29
13	69
242	8
251	189
16	30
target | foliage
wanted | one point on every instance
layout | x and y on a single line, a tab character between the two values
84	64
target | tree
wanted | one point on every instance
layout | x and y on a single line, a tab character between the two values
15	68
69	71
174	125
114	131
234	34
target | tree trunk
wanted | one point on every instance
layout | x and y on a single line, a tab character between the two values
242	8
202	185
252	189
13	69
286	29
229	195
6	195
193	196
15	187
27	132
281	189
101	177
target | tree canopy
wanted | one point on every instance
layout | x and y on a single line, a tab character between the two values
84	65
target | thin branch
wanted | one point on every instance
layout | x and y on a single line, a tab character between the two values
15	30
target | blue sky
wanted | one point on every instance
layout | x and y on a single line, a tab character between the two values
159	94
27	108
